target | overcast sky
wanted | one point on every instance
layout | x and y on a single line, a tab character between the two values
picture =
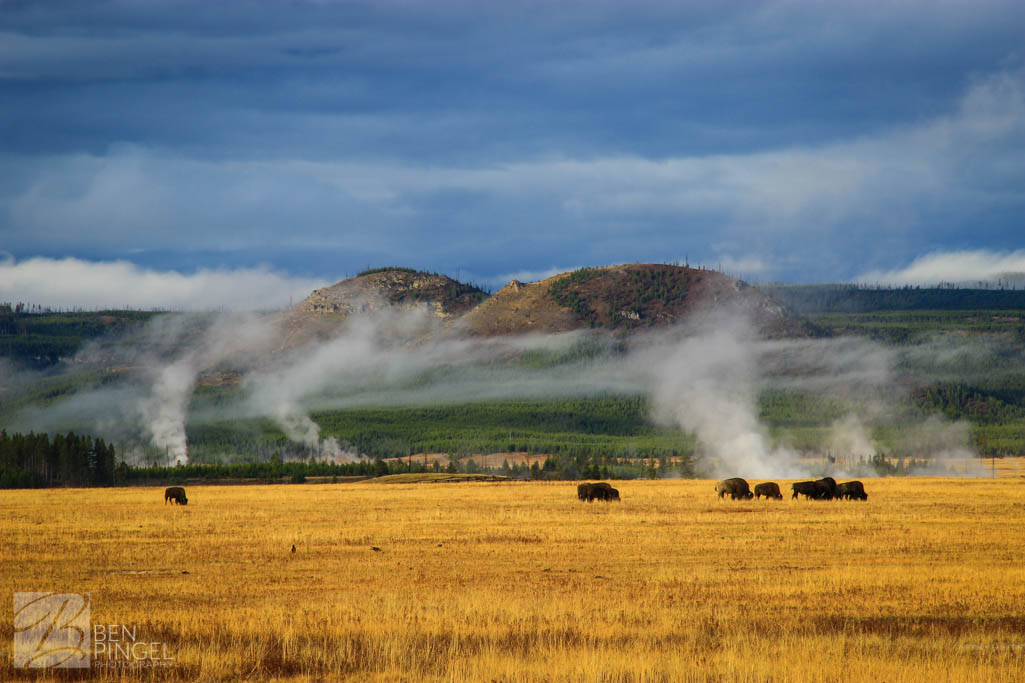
171	153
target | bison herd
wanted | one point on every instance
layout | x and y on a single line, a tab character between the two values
820	489
827	489
737	489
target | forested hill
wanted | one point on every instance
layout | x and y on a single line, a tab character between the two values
37	337
819	299
624	298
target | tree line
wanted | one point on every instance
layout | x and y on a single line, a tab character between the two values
40	461
37	460
818	299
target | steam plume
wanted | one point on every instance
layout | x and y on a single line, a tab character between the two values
708	384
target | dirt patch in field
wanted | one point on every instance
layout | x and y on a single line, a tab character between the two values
435	478
483	459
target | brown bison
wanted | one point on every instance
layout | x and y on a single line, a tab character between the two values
175	493
826	488
804	488
598	491
851	490
584	491
768	489
736	487
820	489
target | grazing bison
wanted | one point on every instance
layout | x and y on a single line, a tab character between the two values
584	491
851	490
736	487
804	488
826	488
175	493
820	489
768	489
587	491
598	491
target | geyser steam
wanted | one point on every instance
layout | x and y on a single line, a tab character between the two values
708	384
164	409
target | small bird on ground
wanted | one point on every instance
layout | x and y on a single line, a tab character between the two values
375	548
293	547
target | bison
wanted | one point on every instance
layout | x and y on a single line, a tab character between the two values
820	489
598	491
768	489
804	488
851	490
611	493
736	487
175	493
826	488
584	491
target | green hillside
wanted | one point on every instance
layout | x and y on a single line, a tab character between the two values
40	338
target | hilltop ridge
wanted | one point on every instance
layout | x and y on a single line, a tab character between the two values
625	298
378	288
618	298
375	290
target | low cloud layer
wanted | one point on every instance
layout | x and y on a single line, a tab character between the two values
704	377
74	283
978	267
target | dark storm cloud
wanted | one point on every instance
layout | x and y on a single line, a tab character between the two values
455	79
795	140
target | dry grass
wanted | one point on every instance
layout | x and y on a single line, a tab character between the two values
521	581
1005	467
434	478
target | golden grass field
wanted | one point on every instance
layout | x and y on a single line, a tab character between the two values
521	581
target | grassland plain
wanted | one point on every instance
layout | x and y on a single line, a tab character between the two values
521	581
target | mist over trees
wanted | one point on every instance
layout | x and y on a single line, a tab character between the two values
576	407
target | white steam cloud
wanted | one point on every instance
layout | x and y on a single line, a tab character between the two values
74	283
708	384
850	437
279	392
969	267
383	355
165	409
704	378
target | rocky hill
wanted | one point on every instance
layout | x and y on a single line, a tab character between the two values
375	290
617	298
372	290
624	297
